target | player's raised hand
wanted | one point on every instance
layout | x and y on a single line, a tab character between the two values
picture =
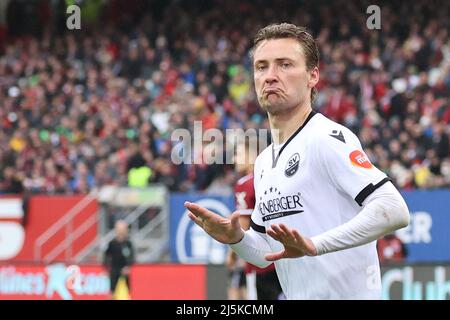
224	230
295	245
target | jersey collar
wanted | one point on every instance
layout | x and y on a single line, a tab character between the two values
275	158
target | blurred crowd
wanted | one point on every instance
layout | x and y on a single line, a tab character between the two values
86	108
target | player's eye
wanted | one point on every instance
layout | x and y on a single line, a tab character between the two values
286	65
261	67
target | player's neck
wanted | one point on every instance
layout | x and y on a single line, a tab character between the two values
286	123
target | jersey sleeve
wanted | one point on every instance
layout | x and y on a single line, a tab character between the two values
347	165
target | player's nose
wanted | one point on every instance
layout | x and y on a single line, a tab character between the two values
271	75
271	80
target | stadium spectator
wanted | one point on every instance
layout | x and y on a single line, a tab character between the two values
148	67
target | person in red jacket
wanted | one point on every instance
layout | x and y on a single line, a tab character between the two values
261	283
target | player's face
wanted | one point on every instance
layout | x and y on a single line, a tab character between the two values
282	80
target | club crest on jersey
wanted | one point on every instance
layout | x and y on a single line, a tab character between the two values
292	165
359	159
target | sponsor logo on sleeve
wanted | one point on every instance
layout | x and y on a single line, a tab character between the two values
359	159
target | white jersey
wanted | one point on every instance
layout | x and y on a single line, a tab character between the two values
314	182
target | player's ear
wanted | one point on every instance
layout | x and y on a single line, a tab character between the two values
313	76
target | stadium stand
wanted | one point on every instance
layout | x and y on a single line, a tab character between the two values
81	109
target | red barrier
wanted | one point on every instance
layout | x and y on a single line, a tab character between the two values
43	212
168	282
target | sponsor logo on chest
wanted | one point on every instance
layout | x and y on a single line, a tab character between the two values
273	204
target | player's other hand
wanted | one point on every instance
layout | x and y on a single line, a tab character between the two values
224	230
295	245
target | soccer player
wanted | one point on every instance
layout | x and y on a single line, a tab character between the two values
320	203
261	283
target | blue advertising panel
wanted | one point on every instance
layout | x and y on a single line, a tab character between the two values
427	237
188	242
